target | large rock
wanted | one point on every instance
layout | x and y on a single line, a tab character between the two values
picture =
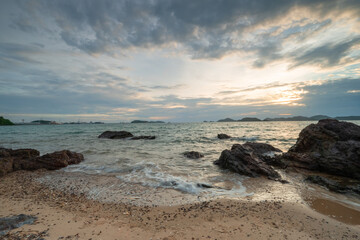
115	134
57	160
330	146
30	159
248	159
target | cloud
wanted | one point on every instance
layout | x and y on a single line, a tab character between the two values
329	55
14	53
204	29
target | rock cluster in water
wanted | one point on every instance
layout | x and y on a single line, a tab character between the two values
193	155
223	136
249	159
30	159
330	146
123	135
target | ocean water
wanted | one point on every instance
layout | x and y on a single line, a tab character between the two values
159	163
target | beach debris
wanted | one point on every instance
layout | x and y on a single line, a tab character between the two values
330	146
30	159
248	159
115	134
12	222
193	155
223	136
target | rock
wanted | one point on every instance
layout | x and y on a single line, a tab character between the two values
21	158
30	159
335	185
261	149
204	185
143	137
57	160
247	159
9	223
115	134
223	136
6	162
123	134
193	155
330	146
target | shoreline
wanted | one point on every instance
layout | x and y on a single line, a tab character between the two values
62	215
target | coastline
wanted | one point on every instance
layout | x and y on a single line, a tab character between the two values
66	215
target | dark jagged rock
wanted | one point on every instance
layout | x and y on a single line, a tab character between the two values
260	148
193	155
223	136
143	137
9	223
247	159
115	134
330	146
334	185
57	160
30	159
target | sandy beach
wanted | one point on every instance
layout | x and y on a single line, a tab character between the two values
65	215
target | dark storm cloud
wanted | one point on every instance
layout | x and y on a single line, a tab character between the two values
327	55
206	29
332	98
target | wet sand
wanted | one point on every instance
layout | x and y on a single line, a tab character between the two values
274	211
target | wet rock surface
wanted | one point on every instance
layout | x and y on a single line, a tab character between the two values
338	185
193	155
12	222
330	146
123	135
115	134
248	159
223	136
30	159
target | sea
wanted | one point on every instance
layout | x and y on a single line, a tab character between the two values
155	164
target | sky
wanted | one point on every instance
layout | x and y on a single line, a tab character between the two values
178	61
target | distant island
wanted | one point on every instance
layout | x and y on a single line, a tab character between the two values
4	121
295	118
43	122
142	121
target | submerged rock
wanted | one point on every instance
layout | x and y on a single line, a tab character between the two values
115	134
223	136
122	135
335	185
248	159
143	137
9	223
330	146
193	155
30	159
